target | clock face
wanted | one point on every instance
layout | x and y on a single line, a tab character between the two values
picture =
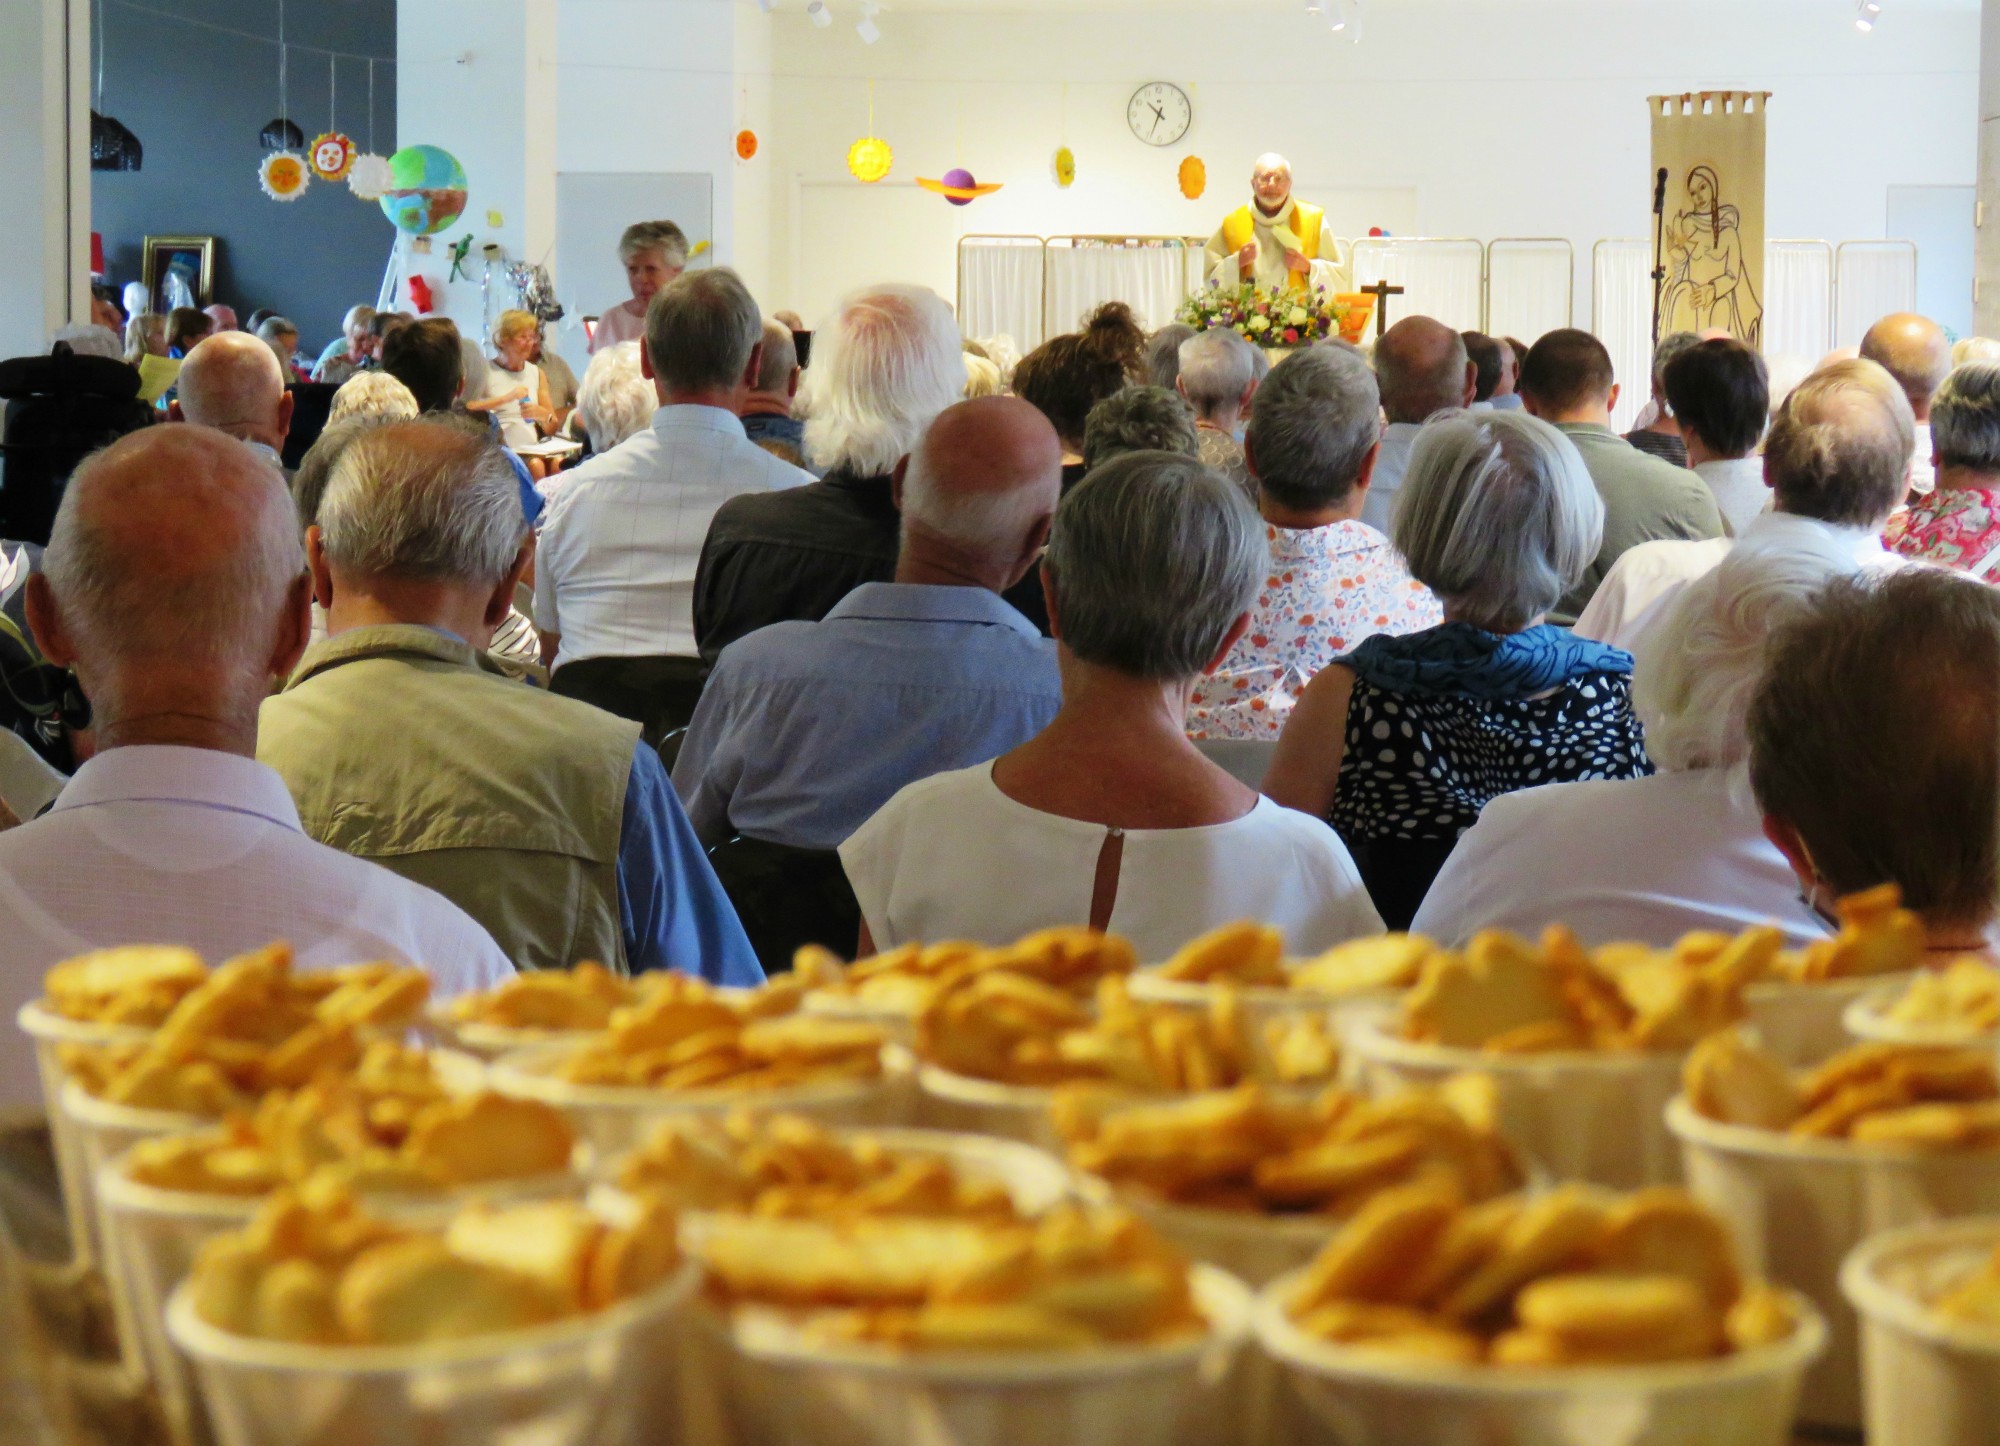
1159	114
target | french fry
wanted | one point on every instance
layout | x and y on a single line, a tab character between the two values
1907	1096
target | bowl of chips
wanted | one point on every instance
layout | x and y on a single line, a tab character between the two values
1257	1184
677	1054
1806	1165
1929	1302
1249	958
1079	1327
545	1322
892	988
1584	1048
392	1133
1570	1318
1956	1005
1799	1008
991	1049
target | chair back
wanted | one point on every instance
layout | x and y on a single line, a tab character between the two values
788	897
657	693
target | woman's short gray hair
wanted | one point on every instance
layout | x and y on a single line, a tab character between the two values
1152	557
423	500
1139	419
372	394
1700	664
1497	515
661	236
1217	367
881	371
1163	353
614	400
1965	418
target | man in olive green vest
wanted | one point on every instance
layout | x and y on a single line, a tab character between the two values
544	818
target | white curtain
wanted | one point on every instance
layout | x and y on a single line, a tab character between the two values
1871	279
1621	316
1798	299
1530	287
1440	278
1000	288
1153	280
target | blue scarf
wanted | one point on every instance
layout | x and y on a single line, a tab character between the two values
1459	659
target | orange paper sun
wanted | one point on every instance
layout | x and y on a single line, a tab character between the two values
746	144
283	176
869	159
332	155
1194	178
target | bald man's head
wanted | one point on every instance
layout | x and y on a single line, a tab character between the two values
231	381
224	317
1914	350
1421	367
1839	449
983	483
174	565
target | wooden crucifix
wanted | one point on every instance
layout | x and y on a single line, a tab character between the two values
1382	291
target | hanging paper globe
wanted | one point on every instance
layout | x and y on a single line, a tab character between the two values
369	177
869	159
1193	178
746	144
1064	167
426	190
283	176
332	156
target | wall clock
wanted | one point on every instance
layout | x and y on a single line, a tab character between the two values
1159	113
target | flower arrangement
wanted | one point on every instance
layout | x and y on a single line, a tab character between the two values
1267	318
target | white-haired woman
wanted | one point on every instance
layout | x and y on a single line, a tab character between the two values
1110	816
352	350
1651	859
372	394
614	400
653	253
1400	743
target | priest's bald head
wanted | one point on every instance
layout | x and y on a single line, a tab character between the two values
1271	181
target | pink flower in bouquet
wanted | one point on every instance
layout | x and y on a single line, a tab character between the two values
1292	334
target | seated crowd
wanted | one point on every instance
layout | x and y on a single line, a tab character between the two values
906	644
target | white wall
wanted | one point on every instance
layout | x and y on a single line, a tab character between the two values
1517	119
44	246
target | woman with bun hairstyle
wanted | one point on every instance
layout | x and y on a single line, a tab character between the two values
1067	375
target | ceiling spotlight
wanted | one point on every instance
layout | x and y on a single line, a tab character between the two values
1343	17
1315	7
1865	15
866	27
818	13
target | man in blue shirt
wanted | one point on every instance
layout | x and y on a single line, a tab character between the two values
805	729
545	819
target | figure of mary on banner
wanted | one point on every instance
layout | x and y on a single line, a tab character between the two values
1712	148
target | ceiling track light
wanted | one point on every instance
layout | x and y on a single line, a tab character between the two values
817	12
1866	13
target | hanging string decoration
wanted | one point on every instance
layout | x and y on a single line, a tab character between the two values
426	191
869	158
369	176
538	292
1063	167
281	134
283	175
333	156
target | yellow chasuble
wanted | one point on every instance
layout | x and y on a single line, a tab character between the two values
1297	227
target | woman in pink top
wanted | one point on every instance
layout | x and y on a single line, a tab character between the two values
654	253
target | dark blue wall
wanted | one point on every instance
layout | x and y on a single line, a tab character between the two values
196	98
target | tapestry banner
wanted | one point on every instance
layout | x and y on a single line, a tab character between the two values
1711	144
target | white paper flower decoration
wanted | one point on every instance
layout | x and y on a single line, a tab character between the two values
369	177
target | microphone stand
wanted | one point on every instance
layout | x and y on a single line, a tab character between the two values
1659	246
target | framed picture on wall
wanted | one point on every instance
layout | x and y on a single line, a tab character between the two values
178	271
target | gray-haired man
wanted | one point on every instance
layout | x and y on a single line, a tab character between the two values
547	820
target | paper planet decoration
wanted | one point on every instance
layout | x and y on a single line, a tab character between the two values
332	156
958	187
746	144
369	177
869	159
1193	178
426	190
1064	167
283	176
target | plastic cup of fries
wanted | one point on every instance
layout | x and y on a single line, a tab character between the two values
153	1230
850	1357
1929	1303
827	1070
1804	1023
1565	1319
1956	1005
1257	1185
1805	1168
546	1323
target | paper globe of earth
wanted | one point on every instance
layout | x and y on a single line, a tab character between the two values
426	190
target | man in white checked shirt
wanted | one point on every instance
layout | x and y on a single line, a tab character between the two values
615	570
174	587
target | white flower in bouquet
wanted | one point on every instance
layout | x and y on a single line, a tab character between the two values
1260	323
1297	318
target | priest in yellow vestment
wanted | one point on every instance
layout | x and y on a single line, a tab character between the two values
1277	240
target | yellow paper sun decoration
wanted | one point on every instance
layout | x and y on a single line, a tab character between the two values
1064	166
283	176
332	156
869	159
1194	178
